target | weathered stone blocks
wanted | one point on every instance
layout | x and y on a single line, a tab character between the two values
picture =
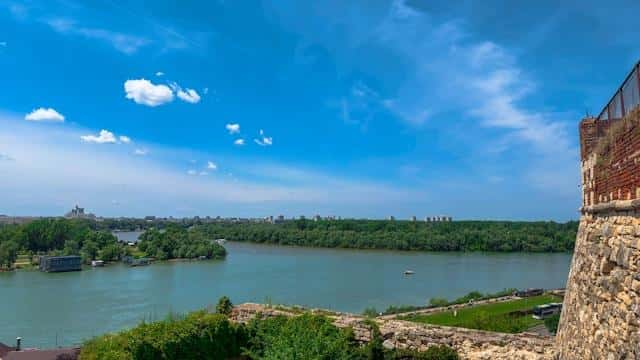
601	312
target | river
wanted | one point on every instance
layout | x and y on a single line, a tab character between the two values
64	308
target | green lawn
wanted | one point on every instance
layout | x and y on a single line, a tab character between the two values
491	317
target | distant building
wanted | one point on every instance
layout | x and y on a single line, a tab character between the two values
317	218
391	218
60	263
78	213
413	218
438	219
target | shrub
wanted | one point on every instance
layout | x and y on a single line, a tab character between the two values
224	306
370	312
199	335
438	302
552	323
306	336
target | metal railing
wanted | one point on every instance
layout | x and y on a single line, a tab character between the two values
626	98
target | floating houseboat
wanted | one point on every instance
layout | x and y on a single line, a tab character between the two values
60	263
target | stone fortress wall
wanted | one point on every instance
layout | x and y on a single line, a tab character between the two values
601	312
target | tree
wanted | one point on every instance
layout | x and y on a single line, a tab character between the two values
438	302
110	253
8	253
224	306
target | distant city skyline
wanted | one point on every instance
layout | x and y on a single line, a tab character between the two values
359	109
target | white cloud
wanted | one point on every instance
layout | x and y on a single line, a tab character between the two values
159	73
233	128
238	142
203	173
125	139
211	165
205	90
105	137
192	172
140	152
124	43
54	169
188	95
144	92
3	43
264	140
42	114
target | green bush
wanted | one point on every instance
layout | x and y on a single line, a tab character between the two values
199	335
370	312
307	336
438	302
551	323
224	306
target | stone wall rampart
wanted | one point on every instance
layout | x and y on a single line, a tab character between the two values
470	344
601	312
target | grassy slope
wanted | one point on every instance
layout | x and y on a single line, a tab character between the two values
492	317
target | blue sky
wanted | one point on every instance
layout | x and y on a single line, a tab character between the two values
252	108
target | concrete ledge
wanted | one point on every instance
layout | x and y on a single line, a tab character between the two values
612	206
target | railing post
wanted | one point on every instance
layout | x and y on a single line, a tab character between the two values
638	83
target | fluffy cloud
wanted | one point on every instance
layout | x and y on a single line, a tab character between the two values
211	165
42	114
125	139
144	92
239	142
140	152
192	172
233	128
159	73
105	137
264	140
188	95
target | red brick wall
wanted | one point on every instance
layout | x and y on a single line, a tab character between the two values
616	172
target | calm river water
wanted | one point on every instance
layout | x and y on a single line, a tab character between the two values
65	308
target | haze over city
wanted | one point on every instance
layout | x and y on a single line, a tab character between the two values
354	109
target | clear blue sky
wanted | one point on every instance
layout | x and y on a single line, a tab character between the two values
351	108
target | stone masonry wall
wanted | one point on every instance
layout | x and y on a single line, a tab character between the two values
470	344
601	313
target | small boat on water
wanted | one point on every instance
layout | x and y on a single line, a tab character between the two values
409	272
97	263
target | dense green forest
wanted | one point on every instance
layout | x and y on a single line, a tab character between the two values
206	335
506	236
92	240
176	242
57	237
